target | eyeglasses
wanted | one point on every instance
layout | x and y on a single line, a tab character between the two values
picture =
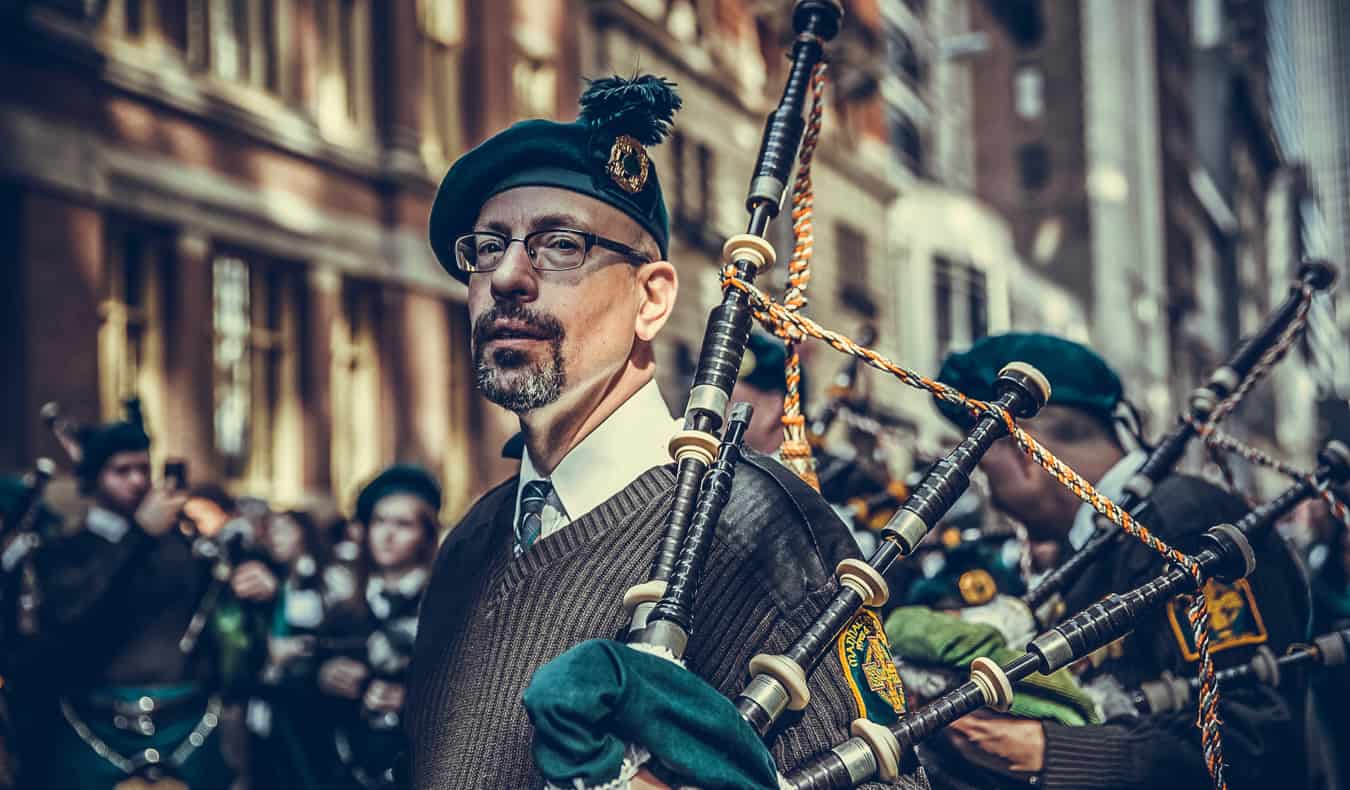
551	250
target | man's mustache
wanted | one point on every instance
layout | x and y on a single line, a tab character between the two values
514	320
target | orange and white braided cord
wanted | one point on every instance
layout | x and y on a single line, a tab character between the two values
796	450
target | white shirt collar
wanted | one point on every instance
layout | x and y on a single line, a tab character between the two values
1111	486
106	524
629	442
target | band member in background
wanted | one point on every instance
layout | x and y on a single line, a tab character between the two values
290	731
365	683
1268	608
561	234
762	385
16	500
124	682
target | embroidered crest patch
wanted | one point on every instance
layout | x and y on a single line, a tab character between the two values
1234	619
865	656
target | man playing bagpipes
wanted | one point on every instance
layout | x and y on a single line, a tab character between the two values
1268	608
561	234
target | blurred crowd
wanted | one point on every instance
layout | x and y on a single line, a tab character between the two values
175	636
170	635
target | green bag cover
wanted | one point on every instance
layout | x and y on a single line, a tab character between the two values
923	636
591	701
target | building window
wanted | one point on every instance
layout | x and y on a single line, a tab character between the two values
905	139
1029	92
1033	165
356	387
244	42
442	26
1207	23
535	32
255	354
233	390
695	205
961	303
901	56
130	334
534	82
851	270
146	22
344	109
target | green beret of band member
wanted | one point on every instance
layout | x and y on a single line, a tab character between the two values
970	572
98	443
1081	379
398	479
602	154
764	365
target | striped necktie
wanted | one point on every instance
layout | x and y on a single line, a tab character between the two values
533	496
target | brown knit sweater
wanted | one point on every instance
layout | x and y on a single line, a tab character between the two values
490	620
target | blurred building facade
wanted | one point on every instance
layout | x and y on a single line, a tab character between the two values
220	206
1132	147
1308	45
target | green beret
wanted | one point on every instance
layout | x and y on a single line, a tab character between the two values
1079	378
973	571
764	365
602	155
398	479
98	443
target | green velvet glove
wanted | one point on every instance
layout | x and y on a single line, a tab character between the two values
591	701
924	636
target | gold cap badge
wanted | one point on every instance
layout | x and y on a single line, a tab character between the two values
977	587
629	165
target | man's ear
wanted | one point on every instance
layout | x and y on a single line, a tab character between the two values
657	285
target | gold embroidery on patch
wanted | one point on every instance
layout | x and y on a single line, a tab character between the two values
1234	618
977	587
628	164
870	670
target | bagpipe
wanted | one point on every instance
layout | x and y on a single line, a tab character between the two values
660	607
706	450
779	683
1227	556
20	538
1171	693
1207	405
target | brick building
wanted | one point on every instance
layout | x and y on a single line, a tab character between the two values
221	205
1132	149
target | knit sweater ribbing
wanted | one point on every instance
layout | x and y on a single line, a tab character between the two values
467	725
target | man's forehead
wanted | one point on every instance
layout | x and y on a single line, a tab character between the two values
521	209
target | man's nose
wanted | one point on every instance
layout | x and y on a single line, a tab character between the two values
515	277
